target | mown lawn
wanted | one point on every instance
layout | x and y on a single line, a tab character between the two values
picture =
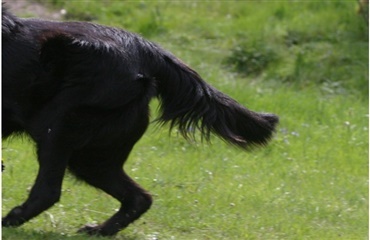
305	61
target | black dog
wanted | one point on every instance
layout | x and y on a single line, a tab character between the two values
81	91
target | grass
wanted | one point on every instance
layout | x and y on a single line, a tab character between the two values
311	182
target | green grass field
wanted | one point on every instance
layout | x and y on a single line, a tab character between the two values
306	61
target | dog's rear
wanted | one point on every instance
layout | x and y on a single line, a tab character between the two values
82	92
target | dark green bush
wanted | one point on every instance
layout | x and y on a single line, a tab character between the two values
250	60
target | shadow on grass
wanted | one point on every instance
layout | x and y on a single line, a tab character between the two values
26	234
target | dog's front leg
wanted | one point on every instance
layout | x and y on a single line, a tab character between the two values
47	188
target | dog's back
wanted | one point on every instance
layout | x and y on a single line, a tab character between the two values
98	65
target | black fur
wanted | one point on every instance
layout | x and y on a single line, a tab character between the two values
81	91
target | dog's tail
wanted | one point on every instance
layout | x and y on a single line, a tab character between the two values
190	103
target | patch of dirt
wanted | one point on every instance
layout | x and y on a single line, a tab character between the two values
32	8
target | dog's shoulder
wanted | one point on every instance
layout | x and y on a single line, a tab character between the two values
9	23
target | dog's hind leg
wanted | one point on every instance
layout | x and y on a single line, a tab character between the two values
46	191
103	169
100	164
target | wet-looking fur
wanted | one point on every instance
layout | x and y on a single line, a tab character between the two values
81	91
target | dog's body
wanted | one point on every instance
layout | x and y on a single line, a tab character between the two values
81	91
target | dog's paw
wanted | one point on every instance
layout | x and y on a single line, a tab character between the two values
91	229
97	230
14	218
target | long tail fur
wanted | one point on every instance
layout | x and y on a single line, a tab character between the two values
189	102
